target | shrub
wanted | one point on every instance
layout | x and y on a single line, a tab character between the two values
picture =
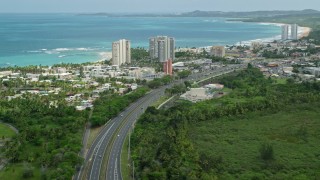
266	151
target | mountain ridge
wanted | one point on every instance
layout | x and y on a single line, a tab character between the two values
199	13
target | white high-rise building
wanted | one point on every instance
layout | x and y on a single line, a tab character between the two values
285	32
294	31
162	48
121	52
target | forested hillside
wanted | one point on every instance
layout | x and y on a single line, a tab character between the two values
261	130
49	138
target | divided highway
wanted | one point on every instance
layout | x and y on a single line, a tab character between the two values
112	136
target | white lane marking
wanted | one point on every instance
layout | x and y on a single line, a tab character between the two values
115	170
97	148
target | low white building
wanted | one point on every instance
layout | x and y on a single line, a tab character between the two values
122	90
59	70
5	73
214	86
142	73
32	76
134	86
196	95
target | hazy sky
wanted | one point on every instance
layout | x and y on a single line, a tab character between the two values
153	5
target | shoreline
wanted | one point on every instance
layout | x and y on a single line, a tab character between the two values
302	32
107	55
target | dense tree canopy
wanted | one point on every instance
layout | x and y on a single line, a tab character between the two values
49	137
162	147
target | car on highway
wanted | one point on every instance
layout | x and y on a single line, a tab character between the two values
121	115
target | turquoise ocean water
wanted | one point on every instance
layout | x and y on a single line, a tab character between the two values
33	39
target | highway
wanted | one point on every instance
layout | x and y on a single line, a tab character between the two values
114	165
112	136
96	152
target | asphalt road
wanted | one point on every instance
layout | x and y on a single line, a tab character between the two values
115	131
114	163
97	151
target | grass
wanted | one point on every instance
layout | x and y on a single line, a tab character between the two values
161	100
227	90
94	132
14	172
125	167
280	80
294	135
6	131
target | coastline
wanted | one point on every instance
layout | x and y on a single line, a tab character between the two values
302	32
305	31
101	54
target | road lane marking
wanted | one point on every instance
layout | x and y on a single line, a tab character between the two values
95	157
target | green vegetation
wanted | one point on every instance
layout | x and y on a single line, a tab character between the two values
140	58
157	82
110	105
20	171
176	89
272	54
184	74
255	132
280	80
94	132
6	131
263	145
160	101
125	166
138	54
49	137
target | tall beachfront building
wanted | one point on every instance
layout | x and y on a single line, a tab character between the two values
294	31
121	52
285	32
162	48
218	51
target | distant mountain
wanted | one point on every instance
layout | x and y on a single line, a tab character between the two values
95	14
252	14
127	14
247	14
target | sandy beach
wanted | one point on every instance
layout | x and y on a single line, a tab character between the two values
105	56
303	32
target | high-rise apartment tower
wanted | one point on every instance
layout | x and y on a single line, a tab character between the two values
121	52
294	31
162	48
285	32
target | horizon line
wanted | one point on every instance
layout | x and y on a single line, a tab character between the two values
134	12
